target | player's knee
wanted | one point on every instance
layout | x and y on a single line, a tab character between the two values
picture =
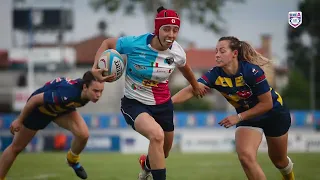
279	161
16	148
84	136
246	158
157	137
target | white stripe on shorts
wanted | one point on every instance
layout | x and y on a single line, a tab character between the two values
127	115
254	128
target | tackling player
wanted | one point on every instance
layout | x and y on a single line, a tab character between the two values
56	101
260	109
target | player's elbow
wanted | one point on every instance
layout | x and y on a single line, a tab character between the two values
268	105
104	44
109	43
266	102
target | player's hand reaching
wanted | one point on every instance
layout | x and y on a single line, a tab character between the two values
229	121
98	73
15	126
200	90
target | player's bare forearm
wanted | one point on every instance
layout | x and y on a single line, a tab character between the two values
188	74
102	48
109	43
183	95
265	104
33	102
26	111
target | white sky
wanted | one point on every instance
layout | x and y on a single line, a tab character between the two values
246	21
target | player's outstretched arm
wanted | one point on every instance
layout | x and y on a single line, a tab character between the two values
32	103
185	94
197	90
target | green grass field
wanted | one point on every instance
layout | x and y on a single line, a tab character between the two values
114	166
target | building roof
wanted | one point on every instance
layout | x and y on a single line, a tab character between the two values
197	58
204	58
86	49
4	62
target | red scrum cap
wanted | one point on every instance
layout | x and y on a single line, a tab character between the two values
165	17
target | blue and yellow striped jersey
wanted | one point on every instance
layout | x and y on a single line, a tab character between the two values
61	95
242	89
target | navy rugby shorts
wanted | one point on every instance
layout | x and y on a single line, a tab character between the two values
162	113
275	123
36	120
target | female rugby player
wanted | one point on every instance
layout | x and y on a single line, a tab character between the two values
146	105
56	101
260	109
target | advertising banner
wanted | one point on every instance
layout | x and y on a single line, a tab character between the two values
104	143
132	142
213	142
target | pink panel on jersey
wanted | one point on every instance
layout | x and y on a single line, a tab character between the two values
161	93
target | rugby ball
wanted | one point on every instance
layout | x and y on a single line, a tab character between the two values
113	61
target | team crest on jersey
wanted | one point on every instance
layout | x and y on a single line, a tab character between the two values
244	94
295	18
254	71
169	60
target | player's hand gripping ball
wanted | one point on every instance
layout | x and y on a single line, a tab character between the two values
113	62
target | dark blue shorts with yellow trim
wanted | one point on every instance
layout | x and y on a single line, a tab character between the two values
162	113
274	124
37	120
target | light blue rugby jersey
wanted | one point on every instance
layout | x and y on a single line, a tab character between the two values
148	70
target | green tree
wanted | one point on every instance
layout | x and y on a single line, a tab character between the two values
204	12
300	53
296	94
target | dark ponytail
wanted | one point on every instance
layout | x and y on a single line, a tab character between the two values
88	78
160	9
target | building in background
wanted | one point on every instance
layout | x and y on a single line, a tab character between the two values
80	56
73	59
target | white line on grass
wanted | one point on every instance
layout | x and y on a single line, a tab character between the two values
38	177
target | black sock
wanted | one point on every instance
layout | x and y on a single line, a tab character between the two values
159	174
147	164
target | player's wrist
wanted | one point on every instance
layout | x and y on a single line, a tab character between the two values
194	85
240	117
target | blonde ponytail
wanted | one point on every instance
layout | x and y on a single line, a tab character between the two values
248	53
